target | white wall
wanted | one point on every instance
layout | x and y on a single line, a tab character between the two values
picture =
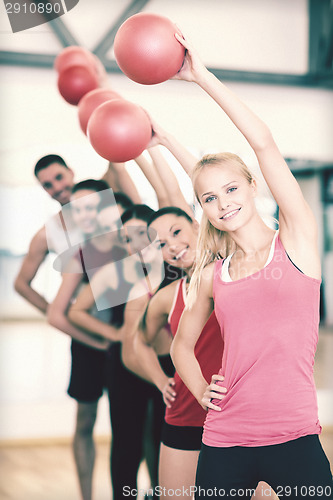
37	120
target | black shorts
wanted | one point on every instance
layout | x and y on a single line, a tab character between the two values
88	373
296	470
181	437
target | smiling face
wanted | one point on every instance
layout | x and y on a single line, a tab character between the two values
226	196
84	205
57	181
136	237
177	238
109	220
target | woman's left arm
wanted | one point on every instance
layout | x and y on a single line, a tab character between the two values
118	178
79	314
298	229
134	312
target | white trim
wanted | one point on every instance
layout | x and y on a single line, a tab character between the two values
225	265
175	297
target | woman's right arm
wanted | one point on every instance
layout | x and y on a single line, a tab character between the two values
160	136
297	224
79	312
153	178
169	180
155	319
57	313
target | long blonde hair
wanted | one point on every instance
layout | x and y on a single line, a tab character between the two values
213	244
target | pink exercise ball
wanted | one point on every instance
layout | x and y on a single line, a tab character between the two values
75	81
146	49
119	130
91	101
73	56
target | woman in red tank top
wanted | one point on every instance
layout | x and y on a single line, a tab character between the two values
176	235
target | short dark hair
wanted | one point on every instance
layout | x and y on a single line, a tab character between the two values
141	212
123	200
114	198
46	161
170	210
90	185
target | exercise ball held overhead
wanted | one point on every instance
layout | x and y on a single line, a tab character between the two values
91	101
146	49
75	81
119	130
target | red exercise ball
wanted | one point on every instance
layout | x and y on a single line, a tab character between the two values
91	101
119	130
75	81
146	49
73	56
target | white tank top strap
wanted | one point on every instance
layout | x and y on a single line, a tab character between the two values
225	266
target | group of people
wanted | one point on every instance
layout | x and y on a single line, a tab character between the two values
203	334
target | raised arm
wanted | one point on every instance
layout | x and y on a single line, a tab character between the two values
169	180
189	330
160	136
38	250
119	179
154	179
79	313
297	224
57	313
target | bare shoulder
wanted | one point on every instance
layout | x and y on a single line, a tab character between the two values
40	239
165	296
206	281
138	294
38	244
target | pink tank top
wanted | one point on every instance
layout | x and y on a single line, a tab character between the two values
269	323
185	410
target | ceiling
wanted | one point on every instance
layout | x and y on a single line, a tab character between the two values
279	42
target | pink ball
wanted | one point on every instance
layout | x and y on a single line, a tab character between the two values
146	49
91	101
75	82
73	56
119	130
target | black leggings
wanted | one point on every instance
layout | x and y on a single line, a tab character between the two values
130	399
298	469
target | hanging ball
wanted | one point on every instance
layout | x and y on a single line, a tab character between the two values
91	101
119	130
146	49
73	56
75	81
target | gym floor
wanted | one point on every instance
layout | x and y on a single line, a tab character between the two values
43	469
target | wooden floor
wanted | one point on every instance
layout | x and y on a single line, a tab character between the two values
46	472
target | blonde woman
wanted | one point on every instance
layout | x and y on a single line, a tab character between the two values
262	421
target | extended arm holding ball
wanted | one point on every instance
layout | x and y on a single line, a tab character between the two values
154	179
119	179
169	180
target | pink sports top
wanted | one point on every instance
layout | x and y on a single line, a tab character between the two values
269	323
185	410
